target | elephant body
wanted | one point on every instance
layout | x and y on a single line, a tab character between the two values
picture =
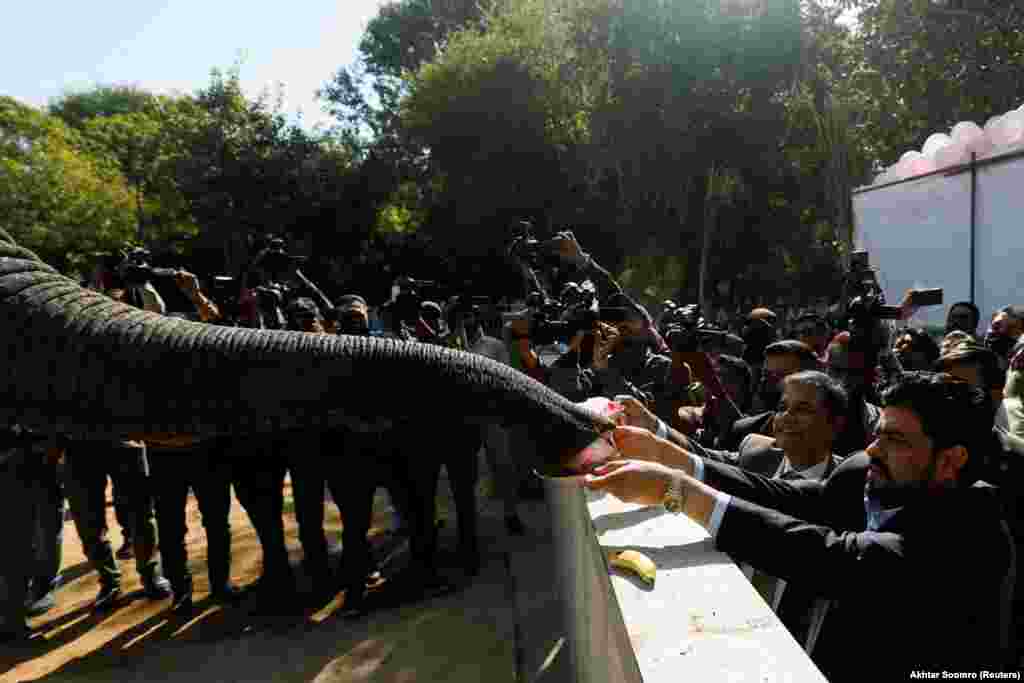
84	365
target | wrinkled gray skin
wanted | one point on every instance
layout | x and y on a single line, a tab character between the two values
82	364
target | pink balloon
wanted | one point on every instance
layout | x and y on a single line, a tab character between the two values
909	156
967	133
898	171
1013	128
920	166
952	154
934	143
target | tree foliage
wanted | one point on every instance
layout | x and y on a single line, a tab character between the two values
56	197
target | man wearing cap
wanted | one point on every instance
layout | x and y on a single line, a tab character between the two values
304	315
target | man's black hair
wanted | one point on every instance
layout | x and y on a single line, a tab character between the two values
792	347
816	318
974	310
922	343
348	300
830	391
1015	311
951	411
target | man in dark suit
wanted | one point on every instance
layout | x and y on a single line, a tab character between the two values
781	359
905	537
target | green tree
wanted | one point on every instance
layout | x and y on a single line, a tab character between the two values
56	198
932	64
77	108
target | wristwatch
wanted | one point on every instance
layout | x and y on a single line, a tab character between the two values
674	497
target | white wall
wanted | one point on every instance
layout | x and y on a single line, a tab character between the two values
918	236
999	244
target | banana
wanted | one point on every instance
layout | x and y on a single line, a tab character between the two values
635	562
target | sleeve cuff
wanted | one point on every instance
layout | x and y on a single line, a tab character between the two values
698	467
721	504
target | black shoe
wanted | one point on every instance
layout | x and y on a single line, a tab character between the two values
38	605
156	587
182	603
126	551
15	636
514	526
228	594
107	597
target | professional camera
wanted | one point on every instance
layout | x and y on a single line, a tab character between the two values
867	300
412	293
136	271
273	257
535	253
554	321
686	331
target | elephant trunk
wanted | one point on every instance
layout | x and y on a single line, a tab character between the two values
80	363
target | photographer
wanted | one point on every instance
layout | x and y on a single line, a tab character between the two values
271	282
759	330
915	350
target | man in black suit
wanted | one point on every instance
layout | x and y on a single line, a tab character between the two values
781	359
905	537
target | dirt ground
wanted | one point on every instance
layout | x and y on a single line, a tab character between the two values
464	636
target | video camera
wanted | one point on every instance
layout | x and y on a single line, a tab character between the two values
867	300
273	256
135	270
411	294
535	253
577	311
685	329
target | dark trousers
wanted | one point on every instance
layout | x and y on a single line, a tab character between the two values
258	470
88	464
48	542
205	471
19	492
352	465
459	455
355	465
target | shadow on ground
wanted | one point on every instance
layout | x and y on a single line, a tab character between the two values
490	627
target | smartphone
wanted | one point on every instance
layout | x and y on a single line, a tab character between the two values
926	297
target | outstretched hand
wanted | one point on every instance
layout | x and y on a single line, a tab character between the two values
568	248
636	413
636	443
632	480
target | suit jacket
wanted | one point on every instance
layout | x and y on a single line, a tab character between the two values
745	426
756	455
922	592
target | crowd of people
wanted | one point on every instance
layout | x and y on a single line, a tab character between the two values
867	471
